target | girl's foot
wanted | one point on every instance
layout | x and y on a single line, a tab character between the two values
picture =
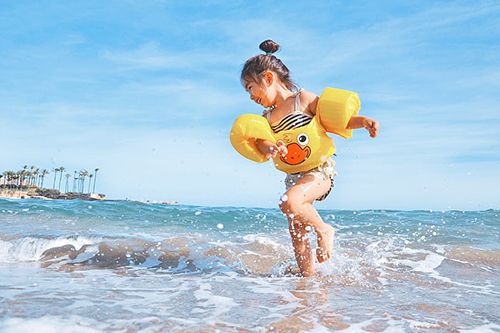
325	243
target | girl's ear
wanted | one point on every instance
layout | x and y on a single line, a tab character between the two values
268	77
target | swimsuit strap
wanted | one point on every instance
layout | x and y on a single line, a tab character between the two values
297	100
267	112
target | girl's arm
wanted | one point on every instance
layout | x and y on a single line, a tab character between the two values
371	125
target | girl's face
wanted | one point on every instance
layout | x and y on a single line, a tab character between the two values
261	92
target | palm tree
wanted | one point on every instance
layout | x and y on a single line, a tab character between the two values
83	174
36	180
67	182
56	170
61	169
6	178
79	184
95	177
74	181
90	181
42	176
26	178
80	176
21	175
12	178
18	178
32	174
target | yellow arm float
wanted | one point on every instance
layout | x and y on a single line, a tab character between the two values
335	109
246	129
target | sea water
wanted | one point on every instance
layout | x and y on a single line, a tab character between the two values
124	266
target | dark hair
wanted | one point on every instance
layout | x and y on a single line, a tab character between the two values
260	63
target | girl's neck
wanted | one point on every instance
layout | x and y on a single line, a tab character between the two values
282	94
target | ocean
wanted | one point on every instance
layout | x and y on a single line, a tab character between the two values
125	266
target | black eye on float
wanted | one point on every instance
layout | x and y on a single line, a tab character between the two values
302	139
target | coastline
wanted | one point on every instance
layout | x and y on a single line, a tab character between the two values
44	194
36	193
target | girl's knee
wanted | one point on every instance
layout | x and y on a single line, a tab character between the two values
284	206
292	205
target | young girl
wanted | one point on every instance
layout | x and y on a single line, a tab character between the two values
269	84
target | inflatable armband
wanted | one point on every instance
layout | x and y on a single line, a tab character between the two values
335	108
246	130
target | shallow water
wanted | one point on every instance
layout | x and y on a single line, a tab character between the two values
121	266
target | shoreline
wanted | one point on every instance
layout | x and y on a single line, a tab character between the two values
33	194
36	193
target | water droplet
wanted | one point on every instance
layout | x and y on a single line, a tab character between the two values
197	213
284	198
220	226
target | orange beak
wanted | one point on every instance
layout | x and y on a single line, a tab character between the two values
296	154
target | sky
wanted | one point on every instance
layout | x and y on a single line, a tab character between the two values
147	92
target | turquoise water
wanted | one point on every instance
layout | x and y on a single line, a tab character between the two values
123	266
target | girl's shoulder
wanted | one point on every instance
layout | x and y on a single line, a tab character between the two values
309	100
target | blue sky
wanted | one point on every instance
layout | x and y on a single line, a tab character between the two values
147	92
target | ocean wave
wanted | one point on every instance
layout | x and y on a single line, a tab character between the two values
362	262
180	254
28	249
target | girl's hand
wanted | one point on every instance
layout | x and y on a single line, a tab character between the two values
372	126
270	149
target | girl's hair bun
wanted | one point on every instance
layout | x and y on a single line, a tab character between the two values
269	46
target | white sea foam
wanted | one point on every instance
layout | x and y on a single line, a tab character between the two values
428	265
31	249
263	240
488	328
45	324
363	326
209	302
422	325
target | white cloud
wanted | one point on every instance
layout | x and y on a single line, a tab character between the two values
148	56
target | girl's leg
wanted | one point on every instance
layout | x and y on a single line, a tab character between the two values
302	214
301	247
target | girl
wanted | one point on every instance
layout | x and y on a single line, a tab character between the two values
269	84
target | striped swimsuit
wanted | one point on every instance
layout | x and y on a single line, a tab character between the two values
293	120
